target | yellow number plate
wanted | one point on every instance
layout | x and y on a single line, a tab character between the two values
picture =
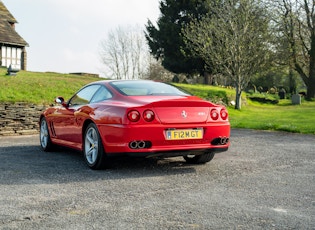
182	134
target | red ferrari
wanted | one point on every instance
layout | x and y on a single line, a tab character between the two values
137	118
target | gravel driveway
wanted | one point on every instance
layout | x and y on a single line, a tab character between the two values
265	181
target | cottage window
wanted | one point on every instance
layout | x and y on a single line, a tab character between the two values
11	55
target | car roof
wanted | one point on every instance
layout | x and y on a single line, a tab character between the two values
116	80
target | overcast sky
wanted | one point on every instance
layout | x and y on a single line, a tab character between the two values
64	35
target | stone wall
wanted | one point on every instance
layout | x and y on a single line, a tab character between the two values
19	118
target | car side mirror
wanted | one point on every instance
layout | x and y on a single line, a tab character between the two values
60	101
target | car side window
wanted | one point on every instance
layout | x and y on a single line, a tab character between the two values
84	96
101	95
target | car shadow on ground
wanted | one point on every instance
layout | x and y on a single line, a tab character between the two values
29	164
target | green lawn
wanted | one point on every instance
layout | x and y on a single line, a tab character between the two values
42	88
283	117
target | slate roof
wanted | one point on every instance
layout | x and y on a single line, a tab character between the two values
8	35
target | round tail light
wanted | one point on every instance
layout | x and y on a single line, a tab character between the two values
148	115
214	114
133	115
224	114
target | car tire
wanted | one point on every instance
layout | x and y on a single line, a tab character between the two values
93	149
199	159
44	136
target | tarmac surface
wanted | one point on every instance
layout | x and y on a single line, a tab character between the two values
265	181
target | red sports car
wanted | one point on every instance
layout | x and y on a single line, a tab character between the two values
137	118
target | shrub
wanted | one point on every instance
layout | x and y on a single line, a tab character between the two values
264	98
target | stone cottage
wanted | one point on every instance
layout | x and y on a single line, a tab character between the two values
12	45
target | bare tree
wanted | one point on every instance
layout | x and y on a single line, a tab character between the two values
109	55
124	53
295	25
232	40
157	72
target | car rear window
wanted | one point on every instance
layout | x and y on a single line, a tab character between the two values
145	88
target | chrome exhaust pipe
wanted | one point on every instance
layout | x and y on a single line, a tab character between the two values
220	141
133	145
141	144
223	141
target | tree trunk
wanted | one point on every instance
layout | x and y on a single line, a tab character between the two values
206	77
310	88
311	78
238	98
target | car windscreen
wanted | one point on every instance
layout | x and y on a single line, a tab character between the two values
144	88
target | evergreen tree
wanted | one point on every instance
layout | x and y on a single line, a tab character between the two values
166	41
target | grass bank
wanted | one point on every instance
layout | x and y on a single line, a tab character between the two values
39	88
42	88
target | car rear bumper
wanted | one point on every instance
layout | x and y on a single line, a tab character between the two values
118	139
